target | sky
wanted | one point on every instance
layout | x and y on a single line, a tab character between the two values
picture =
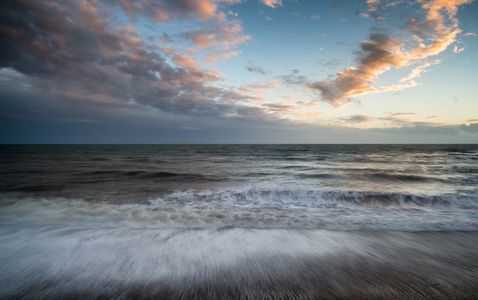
238	71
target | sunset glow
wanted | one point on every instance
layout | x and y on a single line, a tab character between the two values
232	71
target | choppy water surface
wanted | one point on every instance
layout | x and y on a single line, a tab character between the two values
232	221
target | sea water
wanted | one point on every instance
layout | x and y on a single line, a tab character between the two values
238	221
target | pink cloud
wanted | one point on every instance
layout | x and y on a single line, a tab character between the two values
223	56
272	3
166	10
219	39
225	34
186	62
258	88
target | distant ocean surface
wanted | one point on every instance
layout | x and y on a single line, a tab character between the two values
237	221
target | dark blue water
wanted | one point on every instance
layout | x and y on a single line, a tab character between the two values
230	221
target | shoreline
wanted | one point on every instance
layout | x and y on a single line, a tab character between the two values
235	264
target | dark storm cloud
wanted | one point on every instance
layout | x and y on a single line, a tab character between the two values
69	50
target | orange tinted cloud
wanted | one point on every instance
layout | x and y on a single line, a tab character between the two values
272	3
186	62
378	55
225	34
165	10
216	57
381	52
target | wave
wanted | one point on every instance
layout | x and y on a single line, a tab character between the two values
32	188
315	198
457	150
100	180
113	174
297	167
401	177
318	176
255	208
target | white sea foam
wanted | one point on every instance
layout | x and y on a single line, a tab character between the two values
251	208
66	261
88	256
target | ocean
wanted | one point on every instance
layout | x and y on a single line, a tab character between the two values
238	221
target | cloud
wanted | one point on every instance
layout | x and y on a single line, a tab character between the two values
166	10
223	56
186	62
416	72
257	88
280	107
12	79
272	3
255	69
135	126
70	52
412	120
374	59
294	78
73	64
373	5
457	50
224	35
164	38
470	128
423	130
75	120
428	130
356	119
379	10
381	52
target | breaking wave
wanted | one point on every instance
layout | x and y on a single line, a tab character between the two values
256	208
